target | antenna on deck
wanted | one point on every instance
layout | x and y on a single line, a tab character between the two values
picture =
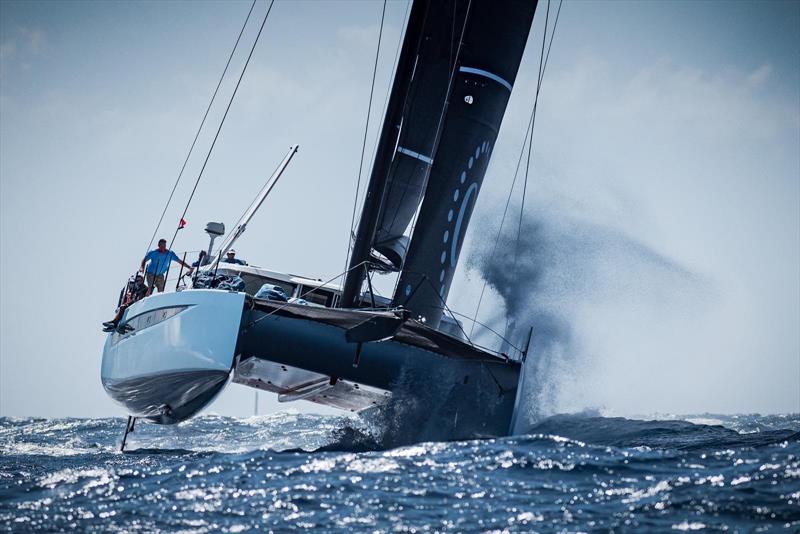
214	229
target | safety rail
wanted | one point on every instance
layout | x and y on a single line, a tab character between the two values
176	271
502	344
176	280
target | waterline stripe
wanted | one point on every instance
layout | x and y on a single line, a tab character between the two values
486	74
416	155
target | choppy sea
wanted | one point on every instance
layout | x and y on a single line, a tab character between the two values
293	471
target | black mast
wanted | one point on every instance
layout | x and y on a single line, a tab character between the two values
457	66
494	41
384	154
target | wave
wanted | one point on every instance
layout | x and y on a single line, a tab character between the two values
306	433
656	434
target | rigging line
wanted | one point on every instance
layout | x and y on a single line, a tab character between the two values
515	269
487	327
530	141
453	31
519	161
432	151
476	345
252	203
446	102
502	221
452	63
552	34
199	129
386	98
224	116
366	131
444	304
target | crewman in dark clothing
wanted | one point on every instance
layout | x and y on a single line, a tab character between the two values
135	290
230	257
202	259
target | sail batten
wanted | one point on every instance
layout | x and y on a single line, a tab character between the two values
487	74
423	158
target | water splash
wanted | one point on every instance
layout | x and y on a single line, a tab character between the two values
579	285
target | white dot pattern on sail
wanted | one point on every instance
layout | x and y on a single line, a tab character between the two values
480	150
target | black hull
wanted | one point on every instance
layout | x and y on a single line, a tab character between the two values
445	388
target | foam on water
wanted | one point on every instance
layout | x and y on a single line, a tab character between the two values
575	472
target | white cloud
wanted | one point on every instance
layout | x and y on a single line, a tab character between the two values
35	39
760	75
8	50
20	49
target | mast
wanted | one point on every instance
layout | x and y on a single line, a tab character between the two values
389	134
458	64
491	51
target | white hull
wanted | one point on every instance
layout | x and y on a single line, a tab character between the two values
178	356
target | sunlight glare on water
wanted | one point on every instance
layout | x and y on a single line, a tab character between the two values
286	471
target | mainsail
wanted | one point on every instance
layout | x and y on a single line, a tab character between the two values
457	66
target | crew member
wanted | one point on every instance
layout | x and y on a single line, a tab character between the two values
202	259
159	260
230	257
135	290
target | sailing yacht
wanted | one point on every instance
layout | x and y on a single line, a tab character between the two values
338	344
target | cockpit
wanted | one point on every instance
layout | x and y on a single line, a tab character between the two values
296	288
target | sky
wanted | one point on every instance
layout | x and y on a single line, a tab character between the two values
661	232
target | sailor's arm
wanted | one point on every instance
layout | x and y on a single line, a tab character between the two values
188	266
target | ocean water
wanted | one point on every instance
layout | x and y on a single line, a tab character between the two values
292	471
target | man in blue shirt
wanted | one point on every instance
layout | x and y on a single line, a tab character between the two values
159	260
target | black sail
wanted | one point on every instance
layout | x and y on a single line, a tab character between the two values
457	66
407	139
418	128
491	51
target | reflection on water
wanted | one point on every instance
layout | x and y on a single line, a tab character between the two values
574	472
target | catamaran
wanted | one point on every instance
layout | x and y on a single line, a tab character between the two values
339	344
